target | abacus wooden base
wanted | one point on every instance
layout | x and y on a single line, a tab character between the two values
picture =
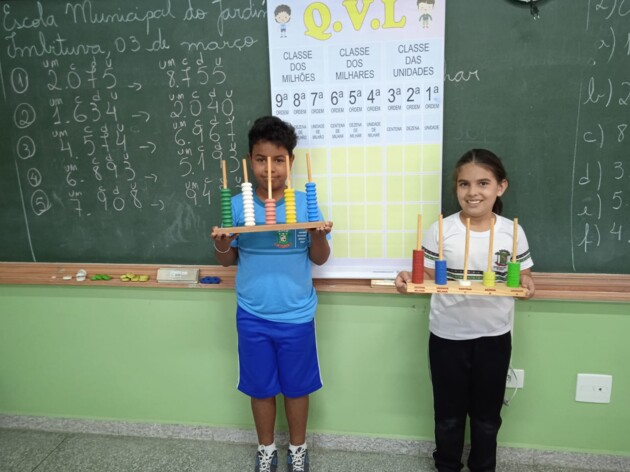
453	287
276	227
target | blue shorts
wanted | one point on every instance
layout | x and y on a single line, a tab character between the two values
276	357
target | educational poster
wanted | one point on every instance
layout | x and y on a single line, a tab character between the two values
363	83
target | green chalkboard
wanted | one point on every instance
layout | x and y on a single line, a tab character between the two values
115	117
552	97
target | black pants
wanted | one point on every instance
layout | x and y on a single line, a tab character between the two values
468	380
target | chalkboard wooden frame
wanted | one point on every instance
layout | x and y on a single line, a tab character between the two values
587	287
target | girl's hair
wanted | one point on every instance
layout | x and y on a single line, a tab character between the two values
489	160
273	130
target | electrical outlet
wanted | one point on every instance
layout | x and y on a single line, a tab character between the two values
593	388
515	378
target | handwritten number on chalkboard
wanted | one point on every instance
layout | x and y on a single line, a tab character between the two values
26	147
195	106
108	76
179	108
218	71
69	179
111	110
134	194
53	85
129	169
78	117
64	144
87	140
205	78
56	114
95	111
619	166
616	231
92	73
74	79
184	162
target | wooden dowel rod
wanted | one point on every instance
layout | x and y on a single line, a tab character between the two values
419	243
467	248
514	239
245	170
288	163
441	237
490	246
224	174
269	194
308	166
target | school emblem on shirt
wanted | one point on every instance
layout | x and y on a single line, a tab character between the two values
503	256
282	239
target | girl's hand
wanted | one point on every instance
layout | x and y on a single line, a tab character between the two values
528	282
401	281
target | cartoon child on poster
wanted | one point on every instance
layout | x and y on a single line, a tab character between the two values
282	14
425	7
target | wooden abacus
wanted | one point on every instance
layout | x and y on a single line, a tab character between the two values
465	286
228	229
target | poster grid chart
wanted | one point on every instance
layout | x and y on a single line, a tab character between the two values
363	85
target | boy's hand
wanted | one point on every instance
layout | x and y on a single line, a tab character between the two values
319	251
222	241
323	230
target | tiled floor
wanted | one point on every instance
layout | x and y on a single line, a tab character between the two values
29	450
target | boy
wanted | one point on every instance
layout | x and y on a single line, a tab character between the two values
276	300
282	14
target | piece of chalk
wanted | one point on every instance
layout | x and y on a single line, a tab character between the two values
67	277
81	275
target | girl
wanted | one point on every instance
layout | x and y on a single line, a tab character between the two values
470	342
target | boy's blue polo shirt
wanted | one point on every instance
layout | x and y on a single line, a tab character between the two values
273	280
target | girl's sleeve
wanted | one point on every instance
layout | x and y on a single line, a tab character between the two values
431	246
523	254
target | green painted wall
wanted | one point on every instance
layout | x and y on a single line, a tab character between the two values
169	356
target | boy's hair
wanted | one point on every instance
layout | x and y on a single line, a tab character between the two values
282	9
489	160
430	2
273	130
